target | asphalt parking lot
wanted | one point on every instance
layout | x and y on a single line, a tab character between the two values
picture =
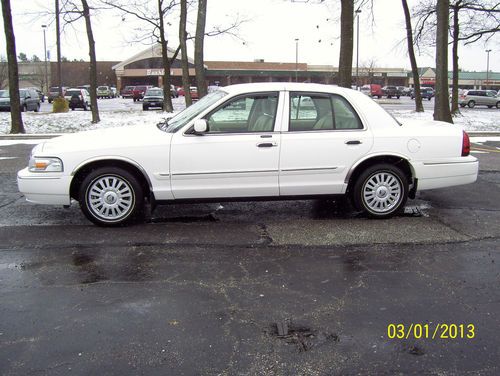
282	288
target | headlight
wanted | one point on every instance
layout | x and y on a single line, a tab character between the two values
45	164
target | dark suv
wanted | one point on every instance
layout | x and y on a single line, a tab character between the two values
54	93
391	91
425	93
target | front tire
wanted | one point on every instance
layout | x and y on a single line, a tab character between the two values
471	104
381	191
111	196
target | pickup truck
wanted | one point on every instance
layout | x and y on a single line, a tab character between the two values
391	91
139	91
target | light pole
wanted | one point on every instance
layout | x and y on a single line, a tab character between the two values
296	58
358	11
44	27
487	67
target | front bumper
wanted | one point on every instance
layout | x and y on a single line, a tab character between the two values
44	188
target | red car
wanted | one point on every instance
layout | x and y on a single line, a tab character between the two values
372	90
139	91
127	92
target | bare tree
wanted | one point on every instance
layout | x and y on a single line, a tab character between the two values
17	125
4	71
419	107
441	103
346	42
184	55
199	62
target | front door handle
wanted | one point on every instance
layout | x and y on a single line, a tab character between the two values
267	144
353	142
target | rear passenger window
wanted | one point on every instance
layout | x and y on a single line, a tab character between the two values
321	112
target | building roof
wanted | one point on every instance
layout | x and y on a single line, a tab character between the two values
255	65
152	51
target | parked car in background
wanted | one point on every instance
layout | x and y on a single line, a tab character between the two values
173	91
127	92
153	98
193	90
78	98
113	91
39	92
139	91
474	98
215	151
180	91
54	93
405	91
425	93
104	92
372	90
29	100
391	91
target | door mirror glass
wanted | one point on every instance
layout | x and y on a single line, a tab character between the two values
200	126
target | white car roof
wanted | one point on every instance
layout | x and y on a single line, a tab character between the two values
289	86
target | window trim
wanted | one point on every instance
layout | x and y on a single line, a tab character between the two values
190	130
319	94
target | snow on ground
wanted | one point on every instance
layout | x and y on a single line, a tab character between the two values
471	120
122	112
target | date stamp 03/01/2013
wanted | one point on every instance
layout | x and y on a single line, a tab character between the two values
444	331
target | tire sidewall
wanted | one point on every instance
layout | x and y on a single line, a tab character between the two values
138	196
366	175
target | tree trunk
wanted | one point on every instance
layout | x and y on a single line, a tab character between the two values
93	64
442	102
10	40
199	62
456	34
167	99
184	55
58	43
346	42
413	61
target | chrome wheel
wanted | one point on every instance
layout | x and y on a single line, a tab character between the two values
110	198
382	192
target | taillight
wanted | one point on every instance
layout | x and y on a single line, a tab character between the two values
465	144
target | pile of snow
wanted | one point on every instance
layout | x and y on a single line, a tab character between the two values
470	120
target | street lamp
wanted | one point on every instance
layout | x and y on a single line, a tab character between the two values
487	67
358	11
44	27
296	58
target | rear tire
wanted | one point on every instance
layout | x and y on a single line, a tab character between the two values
498	105
381	191
111	196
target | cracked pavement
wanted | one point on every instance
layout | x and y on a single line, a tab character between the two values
200	289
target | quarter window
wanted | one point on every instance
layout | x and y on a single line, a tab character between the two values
321	112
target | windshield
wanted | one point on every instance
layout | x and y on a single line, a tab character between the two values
102	88
156	93
4	94
72	92
184	117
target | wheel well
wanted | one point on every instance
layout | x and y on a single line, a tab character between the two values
402	163
86	169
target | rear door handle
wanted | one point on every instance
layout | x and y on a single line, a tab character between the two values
353	142
267	144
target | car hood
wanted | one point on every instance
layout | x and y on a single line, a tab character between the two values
104	141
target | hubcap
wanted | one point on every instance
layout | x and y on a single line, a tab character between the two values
110	198
382	192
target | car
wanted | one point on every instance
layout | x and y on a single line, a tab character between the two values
193	90
425	93
139	91
127	92
173	91
372	90
153	98
30	100
104	92
391	91
78	98
247	142
39	92
471	98
54	93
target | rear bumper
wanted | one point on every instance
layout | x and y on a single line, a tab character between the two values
42	189
458	171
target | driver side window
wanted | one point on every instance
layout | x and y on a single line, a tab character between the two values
245	114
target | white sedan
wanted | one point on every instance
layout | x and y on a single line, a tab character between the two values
269	140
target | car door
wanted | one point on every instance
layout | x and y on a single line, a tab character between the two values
237	157
322	140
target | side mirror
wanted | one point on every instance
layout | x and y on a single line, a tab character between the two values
200	126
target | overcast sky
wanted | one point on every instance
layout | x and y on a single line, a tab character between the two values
269	33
